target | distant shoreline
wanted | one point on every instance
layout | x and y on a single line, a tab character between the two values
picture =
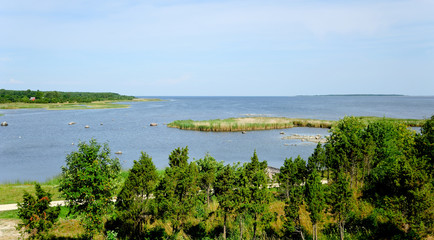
108	104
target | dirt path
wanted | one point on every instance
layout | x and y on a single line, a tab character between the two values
7	229
8	207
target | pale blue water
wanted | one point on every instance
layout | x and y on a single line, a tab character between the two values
34	145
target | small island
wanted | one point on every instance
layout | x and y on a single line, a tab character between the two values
55	100
269	123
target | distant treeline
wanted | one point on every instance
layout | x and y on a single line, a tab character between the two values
29	96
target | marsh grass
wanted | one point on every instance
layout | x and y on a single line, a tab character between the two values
248	124
74	106
268	123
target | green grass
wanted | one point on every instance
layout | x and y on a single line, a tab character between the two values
13	214
266	123
12	192
73	106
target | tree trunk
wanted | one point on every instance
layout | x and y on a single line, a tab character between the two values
224	227
241	228
302	235
207	193
254	229
314	237
342	229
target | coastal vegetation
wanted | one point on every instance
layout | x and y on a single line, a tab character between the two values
55	100
29	96
267	123
368	181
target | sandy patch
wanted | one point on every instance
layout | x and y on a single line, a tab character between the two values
7	229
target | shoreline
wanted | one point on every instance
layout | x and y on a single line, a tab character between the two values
106	104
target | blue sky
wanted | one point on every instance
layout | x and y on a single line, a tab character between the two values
218	48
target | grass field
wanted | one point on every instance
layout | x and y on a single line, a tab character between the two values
73	106
266	123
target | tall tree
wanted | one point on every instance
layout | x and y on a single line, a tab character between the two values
425	142
341	200
255	184
224	188
177	192
314	200
208	169
133	203
292	174
346	146
88	183
291	178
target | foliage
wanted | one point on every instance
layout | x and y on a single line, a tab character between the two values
341	200
134	204
36	214
208	169
177	192
425	143
291	177
315	201
88	183
9	96
225	188
254	190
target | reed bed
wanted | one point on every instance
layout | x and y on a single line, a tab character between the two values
268	123
248	124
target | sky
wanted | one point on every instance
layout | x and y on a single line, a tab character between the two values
218	48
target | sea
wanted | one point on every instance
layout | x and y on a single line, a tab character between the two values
35	144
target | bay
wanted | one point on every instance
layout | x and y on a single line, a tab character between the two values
36	142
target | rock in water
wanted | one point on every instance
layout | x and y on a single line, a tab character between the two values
71	123
4	124
118	152
87	126
153	124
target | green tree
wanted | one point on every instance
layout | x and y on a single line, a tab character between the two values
291	178
292	174
224	188
317	160
341	200
315	201
133	203
254	185
177	192
88	183
36	214
425	142
208	169
345	147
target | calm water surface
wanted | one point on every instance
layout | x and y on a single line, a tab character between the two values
34	145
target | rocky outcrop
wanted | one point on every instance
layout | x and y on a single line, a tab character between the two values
314	139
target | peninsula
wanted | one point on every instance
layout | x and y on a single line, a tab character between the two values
55	100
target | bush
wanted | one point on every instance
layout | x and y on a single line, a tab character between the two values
36	215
